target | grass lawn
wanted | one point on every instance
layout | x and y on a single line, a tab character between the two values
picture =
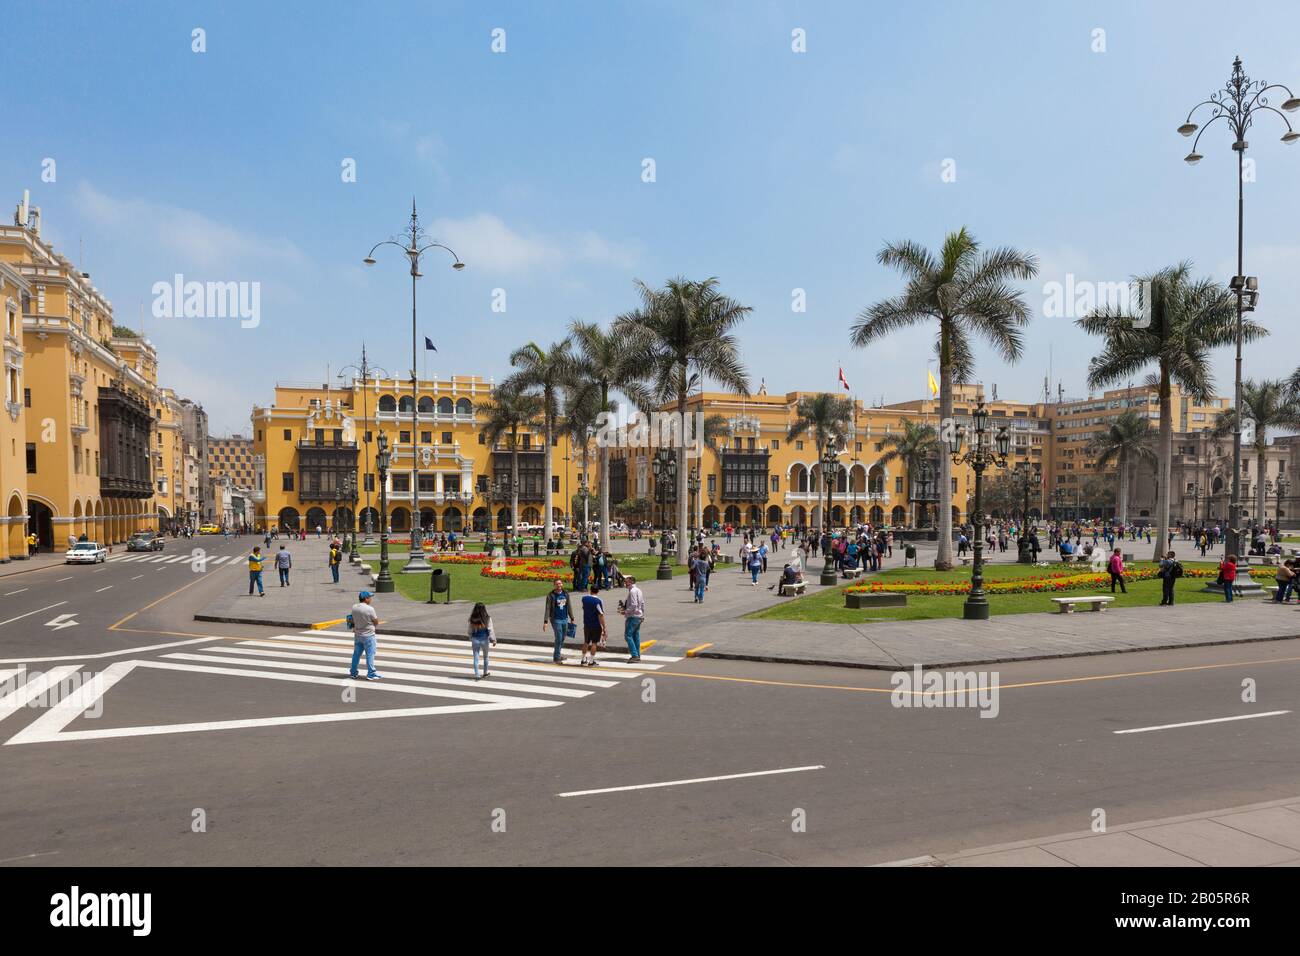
468	585
828	606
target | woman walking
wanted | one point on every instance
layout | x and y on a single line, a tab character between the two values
1116	568
481	635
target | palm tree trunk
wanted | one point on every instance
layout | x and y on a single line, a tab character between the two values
1261	517
682	503
1165	459
547	501
514	484
1123	488
943	560
604	477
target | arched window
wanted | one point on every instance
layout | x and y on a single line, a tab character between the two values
405	404
387	403
426	405
444	406
464	407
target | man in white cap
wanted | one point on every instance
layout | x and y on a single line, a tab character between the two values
362	619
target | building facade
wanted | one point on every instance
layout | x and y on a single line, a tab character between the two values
314	454
82	449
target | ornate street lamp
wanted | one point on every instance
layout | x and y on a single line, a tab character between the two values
383	583
414	247
664	466
830	471
350	496
1028	480
981	455
1238	102
366	370
693	487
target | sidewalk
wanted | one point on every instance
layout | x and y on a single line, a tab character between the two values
1259	834
715	629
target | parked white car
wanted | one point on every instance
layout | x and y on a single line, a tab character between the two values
85	552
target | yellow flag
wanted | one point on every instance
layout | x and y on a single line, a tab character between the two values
934	386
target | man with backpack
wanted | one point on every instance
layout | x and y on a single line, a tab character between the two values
336	558
1170	571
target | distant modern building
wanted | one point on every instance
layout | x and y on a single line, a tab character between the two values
231	458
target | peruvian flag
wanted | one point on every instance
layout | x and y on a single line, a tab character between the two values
844	381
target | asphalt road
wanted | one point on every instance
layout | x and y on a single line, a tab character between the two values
301	779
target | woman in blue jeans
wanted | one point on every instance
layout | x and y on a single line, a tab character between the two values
481	635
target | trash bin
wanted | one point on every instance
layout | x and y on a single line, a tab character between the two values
439	583
910	551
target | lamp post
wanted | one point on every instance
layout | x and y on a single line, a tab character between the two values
693	487
1027	479
830	468
414	247
1238	102
365	369
982	454
350	495
664	466
383	583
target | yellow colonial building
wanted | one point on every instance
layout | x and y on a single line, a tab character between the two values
313	439
14	291
83	449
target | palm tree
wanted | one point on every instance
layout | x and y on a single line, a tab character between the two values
916	443
581	412
1270	406
604	364
1123	443
1182	320
829	418
682	335
546	371
509	409
966	292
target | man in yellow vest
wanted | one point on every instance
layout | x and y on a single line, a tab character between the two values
255	572
31	544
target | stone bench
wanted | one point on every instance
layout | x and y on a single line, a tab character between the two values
850	573
783	590
866	599
965	562
1067	604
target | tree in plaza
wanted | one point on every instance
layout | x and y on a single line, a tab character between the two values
581	410
682	335
605	364
1271	406
966	292
1181	320
545	372
916	443
509	409
829	418
1097	494
1123	443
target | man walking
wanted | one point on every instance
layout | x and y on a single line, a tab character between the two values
633	609
1170	571
255	572
556	616
593	625
336	558
363	619
283	562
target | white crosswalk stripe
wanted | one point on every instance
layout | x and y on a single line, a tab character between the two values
522	677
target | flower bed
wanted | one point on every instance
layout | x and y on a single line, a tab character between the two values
1054	582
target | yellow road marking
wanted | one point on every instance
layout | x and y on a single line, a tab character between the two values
114	626
321	625
1022	684
645	644
696	649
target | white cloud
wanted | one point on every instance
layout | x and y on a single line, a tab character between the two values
486	243
191	239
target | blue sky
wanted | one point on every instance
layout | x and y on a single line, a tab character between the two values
775	170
